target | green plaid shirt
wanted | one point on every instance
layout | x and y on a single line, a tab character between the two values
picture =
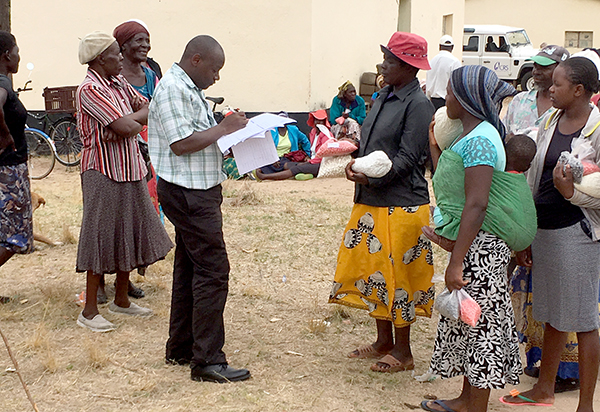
178	109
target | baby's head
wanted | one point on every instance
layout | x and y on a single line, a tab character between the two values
520	151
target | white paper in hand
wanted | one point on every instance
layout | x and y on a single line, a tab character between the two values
255	152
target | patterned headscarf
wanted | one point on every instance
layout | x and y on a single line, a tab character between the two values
480	92
342	89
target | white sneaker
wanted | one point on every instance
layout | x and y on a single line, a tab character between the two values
96	324
132	310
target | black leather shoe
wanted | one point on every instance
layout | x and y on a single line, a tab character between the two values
220	373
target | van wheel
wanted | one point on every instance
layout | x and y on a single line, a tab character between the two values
527	81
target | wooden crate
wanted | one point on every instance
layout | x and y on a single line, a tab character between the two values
60	99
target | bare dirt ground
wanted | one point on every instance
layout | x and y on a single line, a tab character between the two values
293	342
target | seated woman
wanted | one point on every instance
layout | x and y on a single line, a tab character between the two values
306	170
287	139
348	105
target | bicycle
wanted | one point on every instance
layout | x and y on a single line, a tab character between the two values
63	132
216	100
41	153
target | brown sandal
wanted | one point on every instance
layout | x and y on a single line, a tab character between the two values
390	364
366	352
444	243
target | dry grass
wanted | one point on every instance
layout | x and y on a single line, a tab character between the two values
284	332
67	236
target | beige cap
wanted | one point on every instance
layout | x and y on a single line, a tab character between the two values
93	44
446	40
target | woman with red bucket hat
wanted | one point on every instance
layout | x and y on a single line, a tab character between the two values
384	265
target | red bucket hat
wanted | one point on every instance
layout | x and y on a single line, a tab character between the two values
410	48
318	114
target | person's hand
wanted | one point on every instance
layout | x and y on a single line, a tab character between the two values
351	175
137	103
454	277
345	115
110	136
563	180
277	164
7	143
432	141
524	258
234	122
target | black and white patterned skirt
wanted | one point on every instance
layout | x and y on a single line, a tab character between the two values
487	354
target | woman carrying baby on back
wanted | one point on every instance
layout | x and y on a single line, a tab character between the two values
473	191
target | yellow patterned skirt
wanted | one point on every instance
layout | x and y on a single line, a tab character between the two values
385	264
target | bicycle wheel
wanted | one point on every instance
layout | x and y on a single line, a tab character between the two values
67	142
41	154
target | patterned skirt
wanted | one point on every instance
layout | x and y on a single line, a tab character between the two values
16	224
531	331
487	354
385	264
121	230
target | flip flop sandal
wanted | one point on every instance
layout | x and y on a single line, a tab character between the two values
366	352
441	404
391	365
526	401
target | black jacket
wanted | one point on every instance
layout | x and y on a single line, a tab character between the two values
398	124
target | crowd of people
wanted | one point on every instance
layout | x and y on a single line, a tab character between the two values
506	190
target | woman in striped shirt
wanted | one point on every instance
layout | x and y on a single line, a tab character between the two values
121	230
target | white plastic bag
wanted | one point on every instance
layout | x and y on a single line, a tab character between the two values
458	305
582	149
448	304
581	152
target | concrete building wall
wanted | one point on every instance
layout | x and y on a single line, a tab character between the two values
544	21
280	54
432	19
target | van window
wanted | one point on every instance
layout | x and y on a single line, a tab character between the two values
518	38
496	44
470	43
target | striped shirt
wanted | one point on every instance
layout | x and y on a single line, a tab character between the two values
99	103
178	109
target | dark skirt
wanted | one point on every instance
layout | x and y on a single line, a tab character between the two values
121	230
565	275
16	225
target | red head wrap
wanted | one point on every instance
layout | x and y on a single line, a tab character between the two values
125	31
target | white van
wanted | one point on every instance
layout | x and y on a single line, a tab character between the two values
502	49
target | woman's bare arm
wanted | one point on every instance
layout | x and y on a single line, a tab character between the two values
478	180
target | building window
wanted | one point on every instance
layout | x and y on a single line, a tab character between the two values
579	39
447	23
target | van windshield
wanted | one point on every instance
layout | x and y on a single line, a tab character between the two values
518	38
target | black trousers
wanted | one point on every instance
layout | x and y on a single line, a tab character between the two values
200	273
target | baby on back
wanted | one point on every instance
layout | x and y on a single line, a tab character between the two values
520	151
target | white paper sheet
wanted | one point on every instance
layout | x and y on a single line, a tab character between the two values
255	152
256	126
